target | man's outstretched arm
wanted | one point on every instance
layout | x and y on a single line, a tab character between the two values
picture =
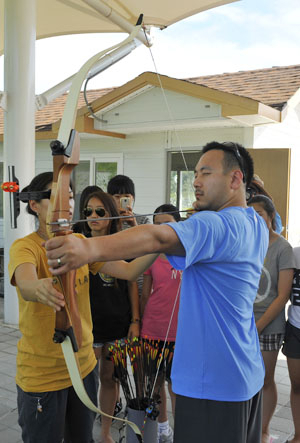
74	252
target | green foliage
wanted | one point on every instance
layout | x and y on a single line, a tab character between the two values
104	172
181	189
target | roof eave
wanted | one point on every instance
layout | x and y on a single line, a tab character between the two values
233	106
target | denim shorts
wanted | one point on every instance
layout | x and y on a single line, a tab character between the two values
56	416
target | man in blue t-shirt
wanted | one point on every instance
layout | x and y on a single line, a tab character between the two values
217	370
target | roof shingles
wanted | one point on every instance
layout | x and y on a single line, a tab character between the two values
271	86
54	110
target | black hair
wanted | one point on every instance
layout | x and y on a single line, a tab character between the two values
235	155
39	183
80	227
121	184
83	196
255	188
110	206
268	206
168	208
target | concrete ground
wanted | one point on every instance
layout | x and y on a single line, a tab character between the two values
10	432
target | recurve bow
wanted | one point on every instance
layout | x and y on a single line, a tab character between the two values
65	152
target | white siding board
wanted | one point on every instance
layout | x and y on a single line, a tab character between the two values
151	107
141	169
199	137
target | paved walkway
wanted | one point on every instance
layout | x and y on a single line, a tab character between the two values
281	425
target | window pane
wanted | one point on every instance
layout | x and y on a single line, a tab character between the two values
181	180
81	177
173	188
186	189
104	172
179	161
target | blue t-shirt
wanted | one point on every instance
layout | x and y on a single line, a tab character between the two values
217	354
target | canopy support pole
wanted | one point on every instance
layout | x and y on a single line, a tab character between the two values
117	19
107	61
19	121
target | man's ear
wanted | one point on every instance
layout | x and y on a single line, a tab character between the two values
236	178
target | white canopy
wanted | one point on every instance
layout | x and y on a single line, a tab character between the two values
59	17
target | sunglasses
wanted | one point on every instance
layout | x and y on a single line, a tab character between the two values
87	212
232	147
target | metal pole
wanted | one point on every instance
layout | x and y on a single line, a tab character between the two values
116	18
19	120
107	61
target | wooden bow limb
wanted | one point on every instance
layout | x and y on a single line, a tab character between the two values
70	111
74	371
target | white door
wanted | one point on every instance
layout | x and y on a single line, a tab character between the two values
95	170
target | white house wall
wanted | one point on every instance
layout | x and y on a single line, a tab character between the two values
199	137
286	135
145	157
144	162
157	110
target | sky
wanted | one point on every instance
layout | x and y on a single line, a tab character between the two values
245	35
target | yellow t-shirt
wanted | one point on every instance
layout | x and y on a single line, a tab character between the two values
40	362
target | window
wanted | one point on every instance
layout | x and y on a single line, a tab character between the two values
104	172
82	176
181	177
95	170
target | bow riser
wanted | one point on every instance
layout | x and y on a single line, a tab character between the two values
64	160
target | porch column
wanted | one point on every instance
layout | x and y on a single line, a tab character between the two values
19	121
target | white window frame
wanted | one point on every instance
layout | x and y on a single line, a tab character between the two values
185	150
103	158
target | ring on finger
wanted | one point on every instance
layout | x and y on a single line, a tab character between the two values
59	262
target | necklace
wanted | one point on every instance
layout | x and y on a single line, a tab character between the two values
43	235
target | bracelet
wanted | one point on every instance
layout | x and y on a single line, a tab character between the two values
135	320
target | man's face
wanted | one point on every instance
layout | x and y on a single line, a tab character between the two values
211	184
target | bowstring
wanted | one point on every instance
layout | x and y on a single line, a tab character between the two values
117	217
172	119
165	341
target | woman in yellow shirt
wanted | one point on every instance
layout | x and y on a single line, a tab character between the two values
49	410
